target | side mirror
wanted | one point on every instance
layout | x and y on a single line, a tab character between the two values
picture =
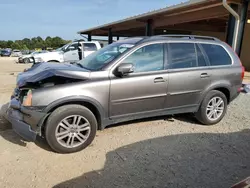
125	68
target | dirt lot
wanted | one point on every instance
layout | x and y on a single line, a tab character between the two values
158	152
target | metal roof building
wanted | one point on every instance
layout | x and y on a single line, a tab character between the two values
199	17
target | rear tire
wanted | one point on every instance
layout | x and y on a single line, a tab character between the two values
213	108
70	128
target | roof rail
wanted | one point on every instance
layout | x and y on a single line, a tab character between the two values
190	37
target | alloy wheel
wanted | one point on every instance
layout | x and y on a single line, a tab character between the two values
72	131
215	108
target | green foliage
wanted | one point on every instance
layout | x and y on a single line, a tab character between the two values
36	42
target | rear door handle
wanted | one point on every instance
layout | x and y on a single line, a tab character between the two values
204	75
159	79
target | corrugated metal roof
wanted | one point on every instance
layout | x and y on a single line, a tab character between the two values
150	13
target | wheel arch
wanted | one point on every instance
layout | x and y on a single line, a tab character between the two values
224	88
94	106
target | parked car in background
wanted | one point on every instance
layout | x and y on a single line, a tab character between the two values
130	79
72	52
25	52
16	53
6	53
25	58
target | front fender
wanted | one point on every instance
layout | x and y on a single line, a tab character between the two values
75	99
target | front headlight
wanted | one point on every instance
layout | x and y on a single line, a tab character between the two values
27	100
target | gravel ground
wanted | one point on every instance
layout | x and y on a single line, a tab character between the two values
160	152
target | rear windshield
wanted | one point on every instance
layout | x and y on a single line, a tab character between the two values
217	55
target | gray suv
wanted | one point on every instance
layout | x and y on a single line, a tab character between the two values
130	79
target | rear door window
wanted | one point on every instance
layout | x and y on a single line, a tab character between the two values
182	55
217	55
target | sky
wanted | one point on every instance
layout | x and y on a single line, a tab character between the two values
64	18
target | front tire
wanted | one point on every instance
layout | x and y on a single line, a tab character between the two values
26	61
213	108
70	128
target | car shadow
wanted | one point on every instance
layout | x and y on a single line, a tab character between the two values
188	118
5	127
185	160
41	142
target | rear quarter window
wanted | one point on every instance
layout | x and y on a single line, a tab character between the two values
217	55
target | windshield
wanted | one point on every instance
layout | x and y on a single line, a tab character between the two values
62	48
102	57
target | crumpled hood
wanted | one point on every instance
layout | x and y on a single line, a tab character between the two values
41	71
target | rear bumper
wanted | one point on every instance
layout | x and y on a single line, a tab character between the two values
234	96
25	122
234	93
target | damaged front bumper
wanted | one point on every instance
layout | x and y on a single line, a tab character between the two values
25	122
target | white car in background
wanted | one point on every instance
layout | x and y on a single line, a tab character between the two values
25	58
71	52
16	53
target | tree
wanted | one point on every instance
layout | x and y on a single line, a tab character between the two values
57	42
24	47
39	39
9	43
48	41
35	42
3	44
27	42
15	46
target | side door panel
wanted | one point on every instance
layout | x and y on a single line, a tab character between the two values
137	93
188	77
71	55
185	87
145	89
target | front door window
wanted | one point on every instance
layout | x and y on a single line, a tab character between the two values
147	58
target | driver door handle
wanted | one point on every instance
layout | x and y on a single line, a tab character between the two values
159	79
204	75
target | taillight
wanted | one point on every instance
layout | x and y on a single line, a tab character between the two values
242	72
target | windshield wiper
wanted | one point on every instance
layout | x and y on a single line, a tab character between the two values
80	65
